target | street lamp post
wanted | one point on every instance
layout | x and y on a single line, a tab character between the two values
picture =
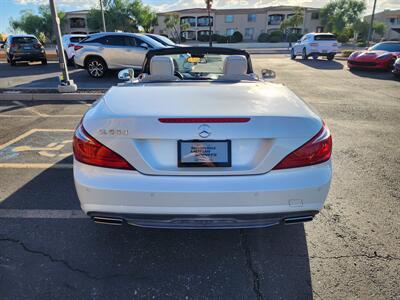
209	4
66	85
371	25
102	15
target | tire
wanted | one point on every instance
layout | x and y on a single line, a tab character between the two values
96	67
304	54
330	56
12	62
292	55
44	61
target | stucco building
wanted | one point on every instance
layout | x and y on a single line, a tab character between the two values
251	22
391	18
76	22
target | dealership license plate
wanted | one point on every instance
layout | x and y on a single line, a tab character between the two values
204	153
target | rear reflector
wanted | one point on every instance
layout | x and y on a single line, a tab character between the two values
89	151
204	120
315	151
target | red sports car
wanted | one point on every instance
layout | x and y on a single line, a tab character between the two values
379	56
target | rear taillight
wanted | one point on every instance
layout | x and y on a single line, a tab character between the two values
314	44
77	47
37	46
315	151
89	151
71	45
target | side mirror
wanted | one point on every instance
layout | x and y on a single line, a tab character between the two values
144	45
126	74
267	74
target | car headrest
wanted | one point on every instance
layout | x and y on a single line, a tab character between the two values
235	65
162	66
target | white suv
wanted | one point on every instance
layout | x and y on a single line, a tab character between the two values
69	41
315	45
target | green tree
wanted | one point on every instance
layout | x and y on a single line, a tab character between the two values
172	22
339	14
295	20
361	29
34	24
123	15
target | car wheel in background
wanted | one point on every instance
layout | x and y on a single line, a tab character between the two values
96	67
12	62
292	55
44	61
330	56
304	55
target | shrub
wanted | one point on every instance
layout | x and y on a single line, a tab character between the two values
276	36
361	44
263	38
343	37
237	37
219	38
347	53
203	38
294	37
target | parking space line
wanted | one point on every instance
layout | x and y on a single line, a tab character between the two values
31	109
41	214
43	116
34	166
29	132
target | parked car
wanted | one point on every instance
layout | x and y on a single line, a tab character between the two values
69	41
315	45
396	67
24	47
113	51
380	56
213	147
162	40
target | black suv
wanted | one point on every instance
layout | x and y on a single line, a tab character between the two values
24	48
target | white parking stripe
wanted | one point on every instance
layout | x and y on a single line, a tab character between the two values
34	166
41	214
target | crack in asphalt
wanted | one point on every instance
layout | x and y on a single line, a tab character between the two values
249	262
64	262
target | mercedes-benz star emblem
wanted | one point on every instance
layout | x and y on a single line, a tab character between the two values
204	131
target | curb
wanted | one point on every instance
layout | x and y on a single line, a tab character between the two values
50	96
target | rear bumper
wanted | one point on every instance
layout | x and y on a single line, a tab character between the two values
296	191
322	53
28	57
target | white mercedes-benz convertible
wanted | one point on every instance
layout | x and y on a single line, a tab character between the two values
199	141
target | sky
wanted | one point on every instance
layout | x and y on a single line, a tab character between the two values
11	8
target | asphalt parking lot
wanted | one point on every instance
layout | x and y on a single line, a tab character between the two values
49	249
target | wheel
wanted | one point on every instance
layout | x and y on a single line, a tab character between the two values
96	67
44	61
315	56
292	55
304	55
12	62
330	56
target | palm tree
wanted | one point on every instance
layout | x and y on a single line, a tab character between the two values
209	5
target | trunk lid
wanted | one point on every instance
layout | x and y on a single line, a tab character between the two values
127	121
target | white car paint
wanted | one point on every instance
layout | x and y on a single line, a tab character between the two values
311	45
279	123
69	45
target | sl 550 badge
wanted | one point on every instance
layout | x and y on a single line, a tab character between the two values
113	132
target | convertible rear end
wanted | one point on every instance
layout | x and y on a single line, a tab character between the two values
202	155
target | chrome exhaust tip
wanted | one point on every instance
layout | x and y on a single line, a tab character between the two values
108	220
295	220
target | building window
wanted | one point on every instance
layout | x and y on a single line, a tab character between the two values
230	31
275	19
249	33
251	17
204	21
289	16
315	15
188	35
77	23
228	19
188	20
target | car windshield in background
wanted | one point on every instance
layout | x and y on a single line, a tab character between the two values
325	37
77	39
163	40
24	40
199	67
395	47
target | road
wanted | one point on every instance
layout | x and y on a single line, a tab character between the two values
49	249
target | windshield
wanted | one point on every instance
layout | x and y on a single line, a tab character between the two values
162	39
395	47
325	37
199	67
24	40
77	39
